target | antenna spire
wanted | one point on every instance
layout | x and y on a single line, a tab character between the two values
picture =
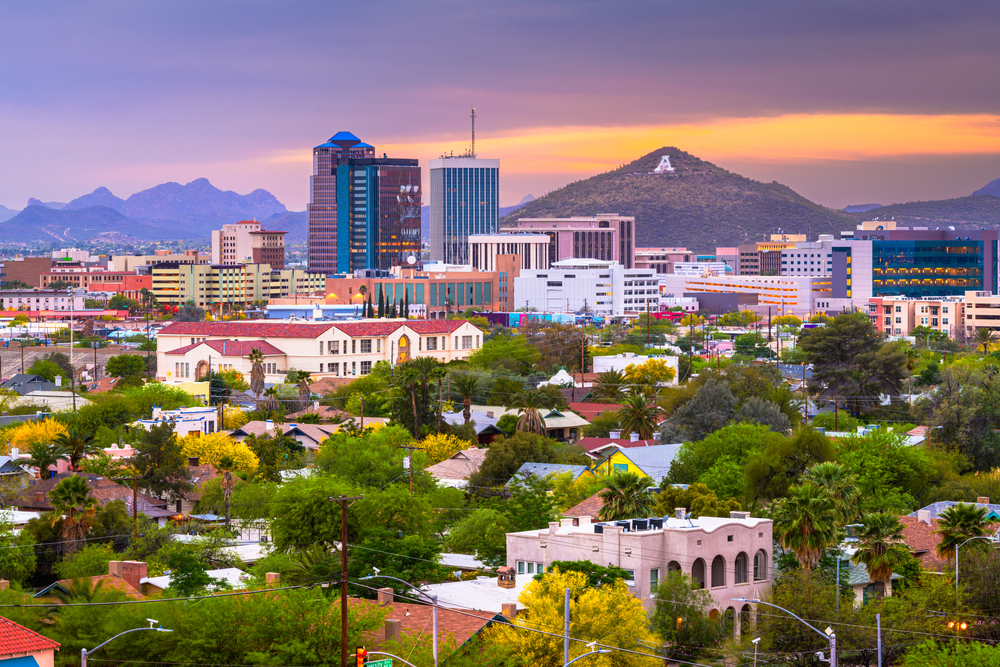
473	131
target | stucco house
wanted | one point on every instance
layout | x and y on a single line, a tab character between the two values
21	647
186	350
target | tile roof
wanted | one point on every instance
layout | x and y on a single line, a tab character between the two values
255	329
992	509
101	489
232	348
15	638
460	465
416	619
376	328
589	507
591	410
922	541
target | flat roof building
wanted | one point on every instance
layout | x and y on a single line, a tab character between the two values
606	236
465	195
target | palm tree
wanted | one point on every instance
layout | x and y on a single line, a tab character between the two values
626	496
610	386
639	414
75	445
42	455
271	402
958	523
840	484
880	546
806	523
984	338
305	393
226	465
419	371
256	372
71	503
528	403
466	385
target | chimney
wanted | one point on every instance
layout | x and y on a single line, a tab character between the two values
15	453
385	596
393	630
925	516
39	495
615	435
272	578
489	413
4	584
633	437
679	512
269	426
983	500
553	527
133	571
193	461
316	406
509	610
115	568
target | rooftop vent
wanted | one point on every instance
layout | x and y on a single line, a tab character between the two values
633	437
615	435
739	515
679	512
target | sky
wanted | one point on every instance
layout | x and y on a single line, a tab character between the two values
847	102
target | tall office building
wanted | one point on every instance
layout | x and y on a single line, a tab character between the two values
364	211
464	201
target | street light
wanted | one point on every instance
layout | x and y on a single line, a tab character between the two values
756	643
959	546
84	652
593	651
830	635
433	599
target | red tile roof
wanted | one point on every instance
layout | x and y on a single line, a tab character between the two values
589	410
102	490
589	507
16	639
255	329
436	326
376	328
923	541
415	619
232	348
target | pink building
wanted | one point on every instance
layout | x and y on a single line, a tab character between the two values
731	557
607	236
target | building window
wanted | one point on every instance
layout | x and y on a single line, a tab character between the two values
321	348
333	347
354	347
432	343
630	579
760	566
378	345
654	578
334	368
741	569
366	346
466	342
366	367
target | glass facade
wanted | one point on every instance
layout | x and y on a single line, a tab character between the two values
464	201
918	268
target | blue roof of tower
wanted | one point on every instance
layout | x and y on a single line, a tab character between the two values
363	145
344	136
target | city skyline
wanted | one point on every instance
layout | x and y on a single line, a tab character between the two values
847	103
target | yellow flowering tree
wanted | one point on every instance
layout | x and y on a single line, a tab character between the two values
211	447
610	615
438	447
233	418
650	373
25	436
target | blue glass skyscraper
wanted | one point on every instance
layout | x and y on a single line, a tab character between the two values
464	200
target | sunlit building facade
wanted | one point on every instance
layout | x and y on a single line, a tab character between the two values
464	202
364	211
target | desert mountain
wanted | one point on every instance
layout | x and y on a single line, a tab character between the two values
99	197
992	188
972	211
697	205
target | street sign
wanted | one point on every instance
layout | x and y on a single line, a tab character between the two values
380	663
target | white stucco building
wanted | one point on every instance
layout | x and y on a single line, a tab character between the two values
599	286
186	350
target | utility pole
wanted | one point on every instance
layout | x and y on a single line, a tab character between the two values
408	461
343	573
836	411
362	414
439	407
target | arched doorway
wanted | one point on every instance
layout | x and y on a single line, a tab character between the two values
698	573
745	622
718	571
404	349
201	370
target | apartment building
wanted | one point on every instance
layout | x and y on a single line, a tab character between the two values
41	299
247	242
982	311
730	557
609	237
899	315
601	287
187	350
207	285
123	282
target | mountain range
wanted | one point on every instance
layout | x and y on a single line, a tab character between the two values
166	211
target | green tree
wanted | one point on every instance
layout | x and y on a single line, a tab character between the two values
806	524
880	546
983	339
626	495
610	386
761	411
507	455
160	462
304	515
125	365
374	459
840	484
639	415
890	473
949	654
503	390
122	302
711	408
679	617
602	425
484	534
529	404
597	575
188	576
54	364
74	508
274	454
90	561
698	499
76	444
769	473
415	402
466	386
189	313
43	456
959	523
17	554
256	358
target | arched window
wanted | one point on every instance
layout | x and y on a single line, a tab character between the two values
698	572
760	566
673	566
731	621
742	574
718	571
745	622
713	615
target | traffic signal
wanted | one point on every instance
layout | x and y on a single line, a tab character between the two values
361	653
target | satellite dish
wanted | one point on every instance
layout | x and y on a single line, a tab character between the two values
411	260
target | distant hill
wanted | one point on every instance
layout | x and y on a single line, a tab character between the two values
860	208
975	210
7	213
992	189
99	197
296	223
47	204
699	205
167	211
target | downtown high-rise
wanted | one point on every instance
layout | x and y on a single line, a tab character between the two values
364	210
464	201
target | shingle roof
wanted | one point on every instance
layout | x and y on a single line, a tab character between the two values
654	460
256	329
992	509
546	469
102	490
460	466
232	348
15	638
589	507
593	444
922	540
